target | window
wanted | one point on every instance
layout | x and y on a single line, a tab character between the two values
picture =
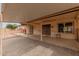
60	27
68	27
65	27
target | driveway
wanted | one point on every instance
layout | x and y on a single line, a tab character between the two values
22	46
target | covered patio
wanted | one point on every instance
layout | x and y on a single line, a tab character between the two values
36	42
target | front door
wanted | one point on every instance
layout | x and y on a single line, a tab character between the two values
46	29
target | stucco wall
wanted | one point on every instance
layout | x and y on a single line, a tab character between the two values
70	17
63	19
37	29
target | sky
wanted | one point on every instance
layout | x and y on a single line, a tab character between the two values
3	25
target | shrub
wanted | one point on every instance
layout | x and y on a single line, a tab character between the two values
11	26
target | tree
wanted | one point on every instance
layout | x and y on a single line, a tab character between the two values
11	26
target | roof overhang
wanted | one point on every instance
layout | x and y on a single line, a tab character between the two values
27	12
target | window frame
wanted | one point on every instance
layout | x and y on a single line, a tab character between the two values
72	25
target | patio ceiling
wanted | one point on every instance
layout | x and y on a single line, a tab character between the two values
30	11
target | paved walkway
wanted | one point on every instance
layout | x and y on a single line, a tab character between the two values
22	46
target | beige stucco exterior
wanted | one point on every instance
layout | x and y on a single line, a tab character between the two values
69	17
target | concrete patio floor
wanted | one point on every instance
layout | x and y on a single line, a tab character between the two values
67	43
23	46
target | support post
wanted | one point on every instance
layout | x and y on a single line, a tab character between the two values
77	26
41	33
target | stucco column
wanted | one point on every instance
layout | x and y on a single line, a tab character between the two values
41	36
41	33
27	30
